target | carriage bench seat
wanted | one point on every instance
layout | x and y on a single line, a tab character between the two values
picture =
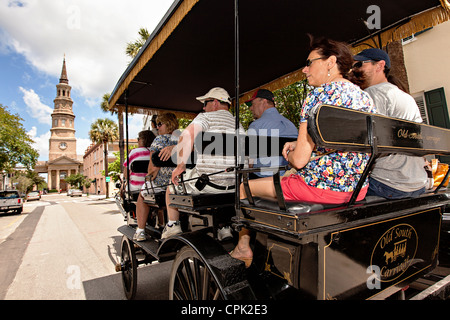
196	202
297	207
132	195
157	199
371	133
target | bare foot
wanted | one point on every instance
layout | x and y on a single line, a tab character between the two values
243	254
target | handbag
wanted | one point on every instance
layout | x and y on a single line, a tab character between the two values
439	171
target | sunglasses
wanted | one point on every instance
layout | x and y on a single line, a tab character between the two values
309	62
359	64
159	124
206	102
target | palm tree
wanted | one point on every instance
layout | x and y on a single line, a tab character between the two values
36	179
133	47
104	131
105	108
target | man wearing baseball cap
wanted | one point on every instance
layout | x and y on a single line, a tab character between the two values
218	119
268	122
394	176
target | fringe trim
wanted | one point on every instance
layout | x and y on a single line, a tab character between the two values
417	23
153	111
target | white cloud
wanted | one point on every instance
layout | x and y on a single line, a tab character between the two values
82	145
40	143
92	34
35	107
135	125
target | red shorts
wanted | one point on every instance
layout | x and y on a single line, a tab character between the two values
296	189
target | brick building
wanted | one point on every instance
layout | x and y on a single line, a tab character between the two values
93	164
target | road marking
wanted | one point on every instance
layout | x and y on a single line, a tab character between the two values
14	221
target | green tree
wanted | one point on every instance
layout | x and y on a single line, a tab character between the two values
26	180
115	168
15	143
104	131
76	180
289	100
22	183
36	179
105	108
133	47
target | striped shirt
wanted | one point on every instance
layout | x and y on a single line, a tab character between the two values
137	179
221	121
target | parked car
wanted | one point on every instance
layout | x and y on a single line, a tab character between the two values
33	195
10	200
75	192
69	192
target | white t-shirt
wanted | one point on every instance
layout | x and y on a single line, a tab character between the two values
399	171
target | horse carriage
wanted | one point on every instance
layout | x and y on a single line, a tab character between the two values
368	249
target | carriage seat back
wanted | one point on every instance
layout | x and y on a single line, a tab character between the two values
352	130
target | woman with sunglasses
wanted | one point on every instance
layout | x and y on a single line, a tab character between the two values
167	123
323	176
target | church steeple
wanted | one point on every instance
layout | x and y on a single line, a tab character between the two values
63	78
62	141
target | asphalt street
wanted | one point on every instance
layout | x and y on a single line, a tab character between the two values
63	248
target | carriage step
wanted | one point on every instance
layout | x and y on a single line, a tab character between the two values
150	246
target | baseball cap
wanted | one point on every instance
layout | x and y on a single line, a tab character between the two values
261	93
373	54
216	93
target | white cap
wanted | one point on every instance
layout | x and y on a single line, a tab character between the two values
216	93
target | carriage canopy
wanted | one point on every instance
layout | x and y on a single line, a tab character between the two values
193	47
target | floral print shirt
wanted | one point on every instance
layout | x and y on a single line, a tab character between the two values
165	173
337	171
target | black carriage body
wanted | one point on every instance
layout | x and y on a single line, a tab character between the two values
366	251
362	250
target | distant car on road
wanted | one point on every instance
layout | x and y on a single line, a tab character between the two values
75	192
10	200
33	195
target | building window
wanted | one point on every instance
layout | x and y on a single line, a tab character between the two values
420	100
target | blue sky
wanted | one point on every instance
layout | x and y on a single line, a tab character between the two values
34	37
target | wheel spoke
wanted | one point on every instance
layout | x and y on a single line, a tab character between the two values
205	284
198	266
217	294
190	278
182	284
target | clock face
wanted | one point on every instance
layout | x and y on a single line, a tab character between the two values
62	145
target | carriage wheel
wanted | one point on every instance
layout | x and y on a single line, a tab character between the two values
129	268
190	279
